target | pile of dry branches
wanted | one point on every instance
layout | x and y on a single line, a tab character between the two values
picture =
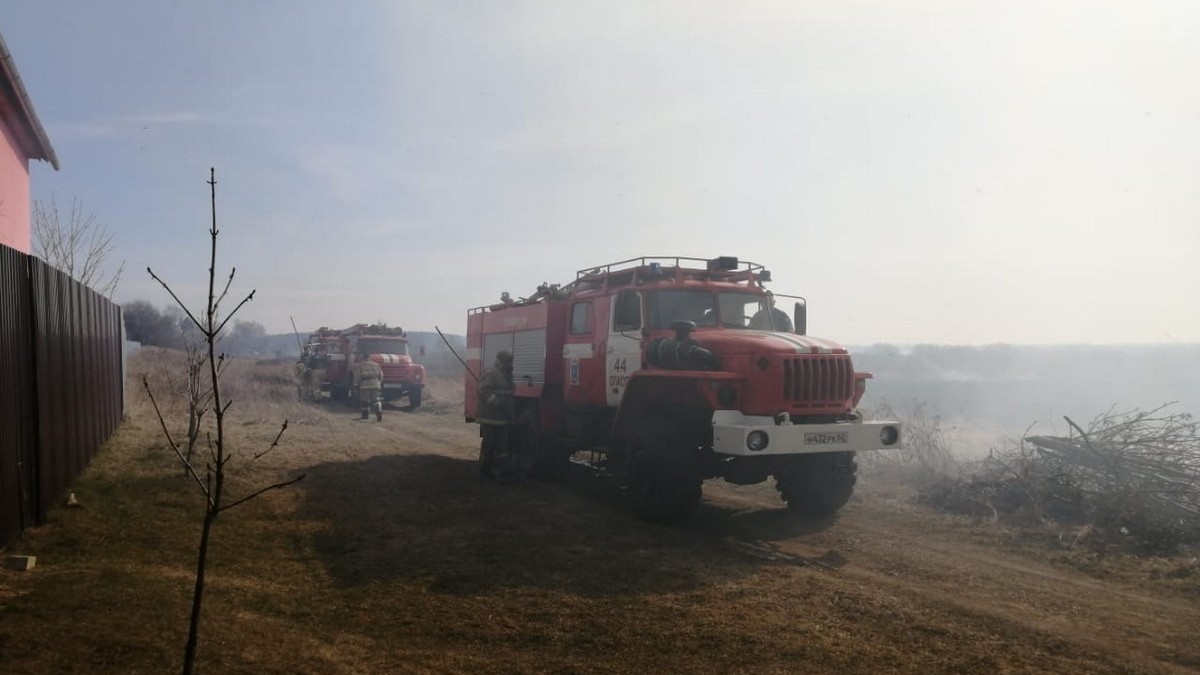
1132	475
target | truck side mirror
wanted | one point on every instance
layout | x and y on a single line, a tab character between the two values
800	318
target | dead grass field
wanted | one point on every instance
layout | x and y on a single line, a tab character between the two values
394	556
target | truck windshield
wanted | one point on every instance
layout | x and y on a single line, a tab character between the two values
666	307
382	346
732	310
744	310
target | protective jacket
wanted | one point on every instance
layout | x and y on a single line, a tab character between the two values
494	398
368	374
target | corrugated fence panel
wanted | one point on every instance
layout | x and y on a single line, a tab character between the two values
77	358
47	339
18	421
61	389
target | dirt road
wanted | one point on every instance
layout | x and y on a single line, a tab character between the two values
887	586
394	555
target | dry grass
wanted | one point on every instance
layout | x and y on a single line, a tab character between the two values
394	556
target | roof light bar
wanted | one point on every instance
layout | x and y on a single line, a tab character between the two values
724	263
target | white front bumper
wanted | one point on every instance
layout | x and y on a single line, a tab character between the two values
731	428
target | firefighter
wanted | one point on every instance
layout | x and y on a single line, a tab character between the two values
302	374
495	412
770	317
311	372
318	363
368	378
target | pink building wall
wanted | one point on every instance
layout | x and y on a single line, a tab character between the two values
14	193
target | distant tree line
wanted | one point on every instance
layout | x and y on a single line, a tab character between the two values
170	328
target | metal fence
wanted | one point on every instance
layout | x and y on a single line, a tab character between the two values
61	393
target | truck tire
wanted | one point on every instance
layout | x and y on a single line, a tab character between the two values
664	478
818	484
338	393
414	398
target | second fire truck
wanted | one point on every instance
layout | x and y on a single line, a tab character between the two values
666	369
334	350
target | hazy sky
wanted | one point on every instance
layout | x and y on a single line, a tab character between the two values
938	172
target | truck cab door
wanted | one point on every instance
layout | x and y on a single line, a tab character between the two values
581	362
623	354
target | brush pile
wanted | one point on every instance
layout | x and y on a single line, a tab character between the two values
1131	476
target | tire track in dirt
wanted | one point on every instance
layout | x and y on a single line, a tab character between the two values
955	586
988	586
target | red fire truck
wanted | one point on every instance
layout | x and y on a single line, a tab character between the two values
671	371
335	349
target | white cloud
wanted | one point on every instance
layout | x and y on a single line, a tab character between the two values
126	124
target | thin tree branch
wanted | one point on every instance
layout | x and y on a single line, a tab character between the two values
179	302
275	442
228	282
1086	441
229	316
247	498
187	465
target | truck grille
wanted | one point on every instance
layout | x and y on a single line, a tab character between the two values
818	381
396	372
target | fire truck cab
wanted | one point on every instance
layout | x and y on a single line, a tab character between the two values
676	370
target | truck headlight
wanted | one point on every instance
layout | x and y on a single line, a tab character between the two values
757	440
889	435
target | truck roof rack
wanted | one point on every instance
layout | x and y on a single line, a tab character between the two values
360	329
678	268
641	269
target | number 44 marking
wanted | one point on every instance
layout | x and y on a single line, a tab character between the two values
620	366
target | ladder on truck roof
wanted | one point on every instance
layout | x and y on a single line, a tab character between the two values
659	268
644	268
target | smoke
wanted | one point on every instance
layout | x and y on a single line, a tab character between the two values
984	393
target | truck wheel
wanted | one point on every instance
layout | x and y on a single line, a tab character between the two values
414	398
818	484
338	393
664	480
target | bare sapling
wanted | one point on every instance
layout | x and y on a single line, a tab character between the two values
203	397
197	391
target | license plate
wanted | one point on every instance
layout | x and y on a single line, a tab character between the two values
392	385
831	438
